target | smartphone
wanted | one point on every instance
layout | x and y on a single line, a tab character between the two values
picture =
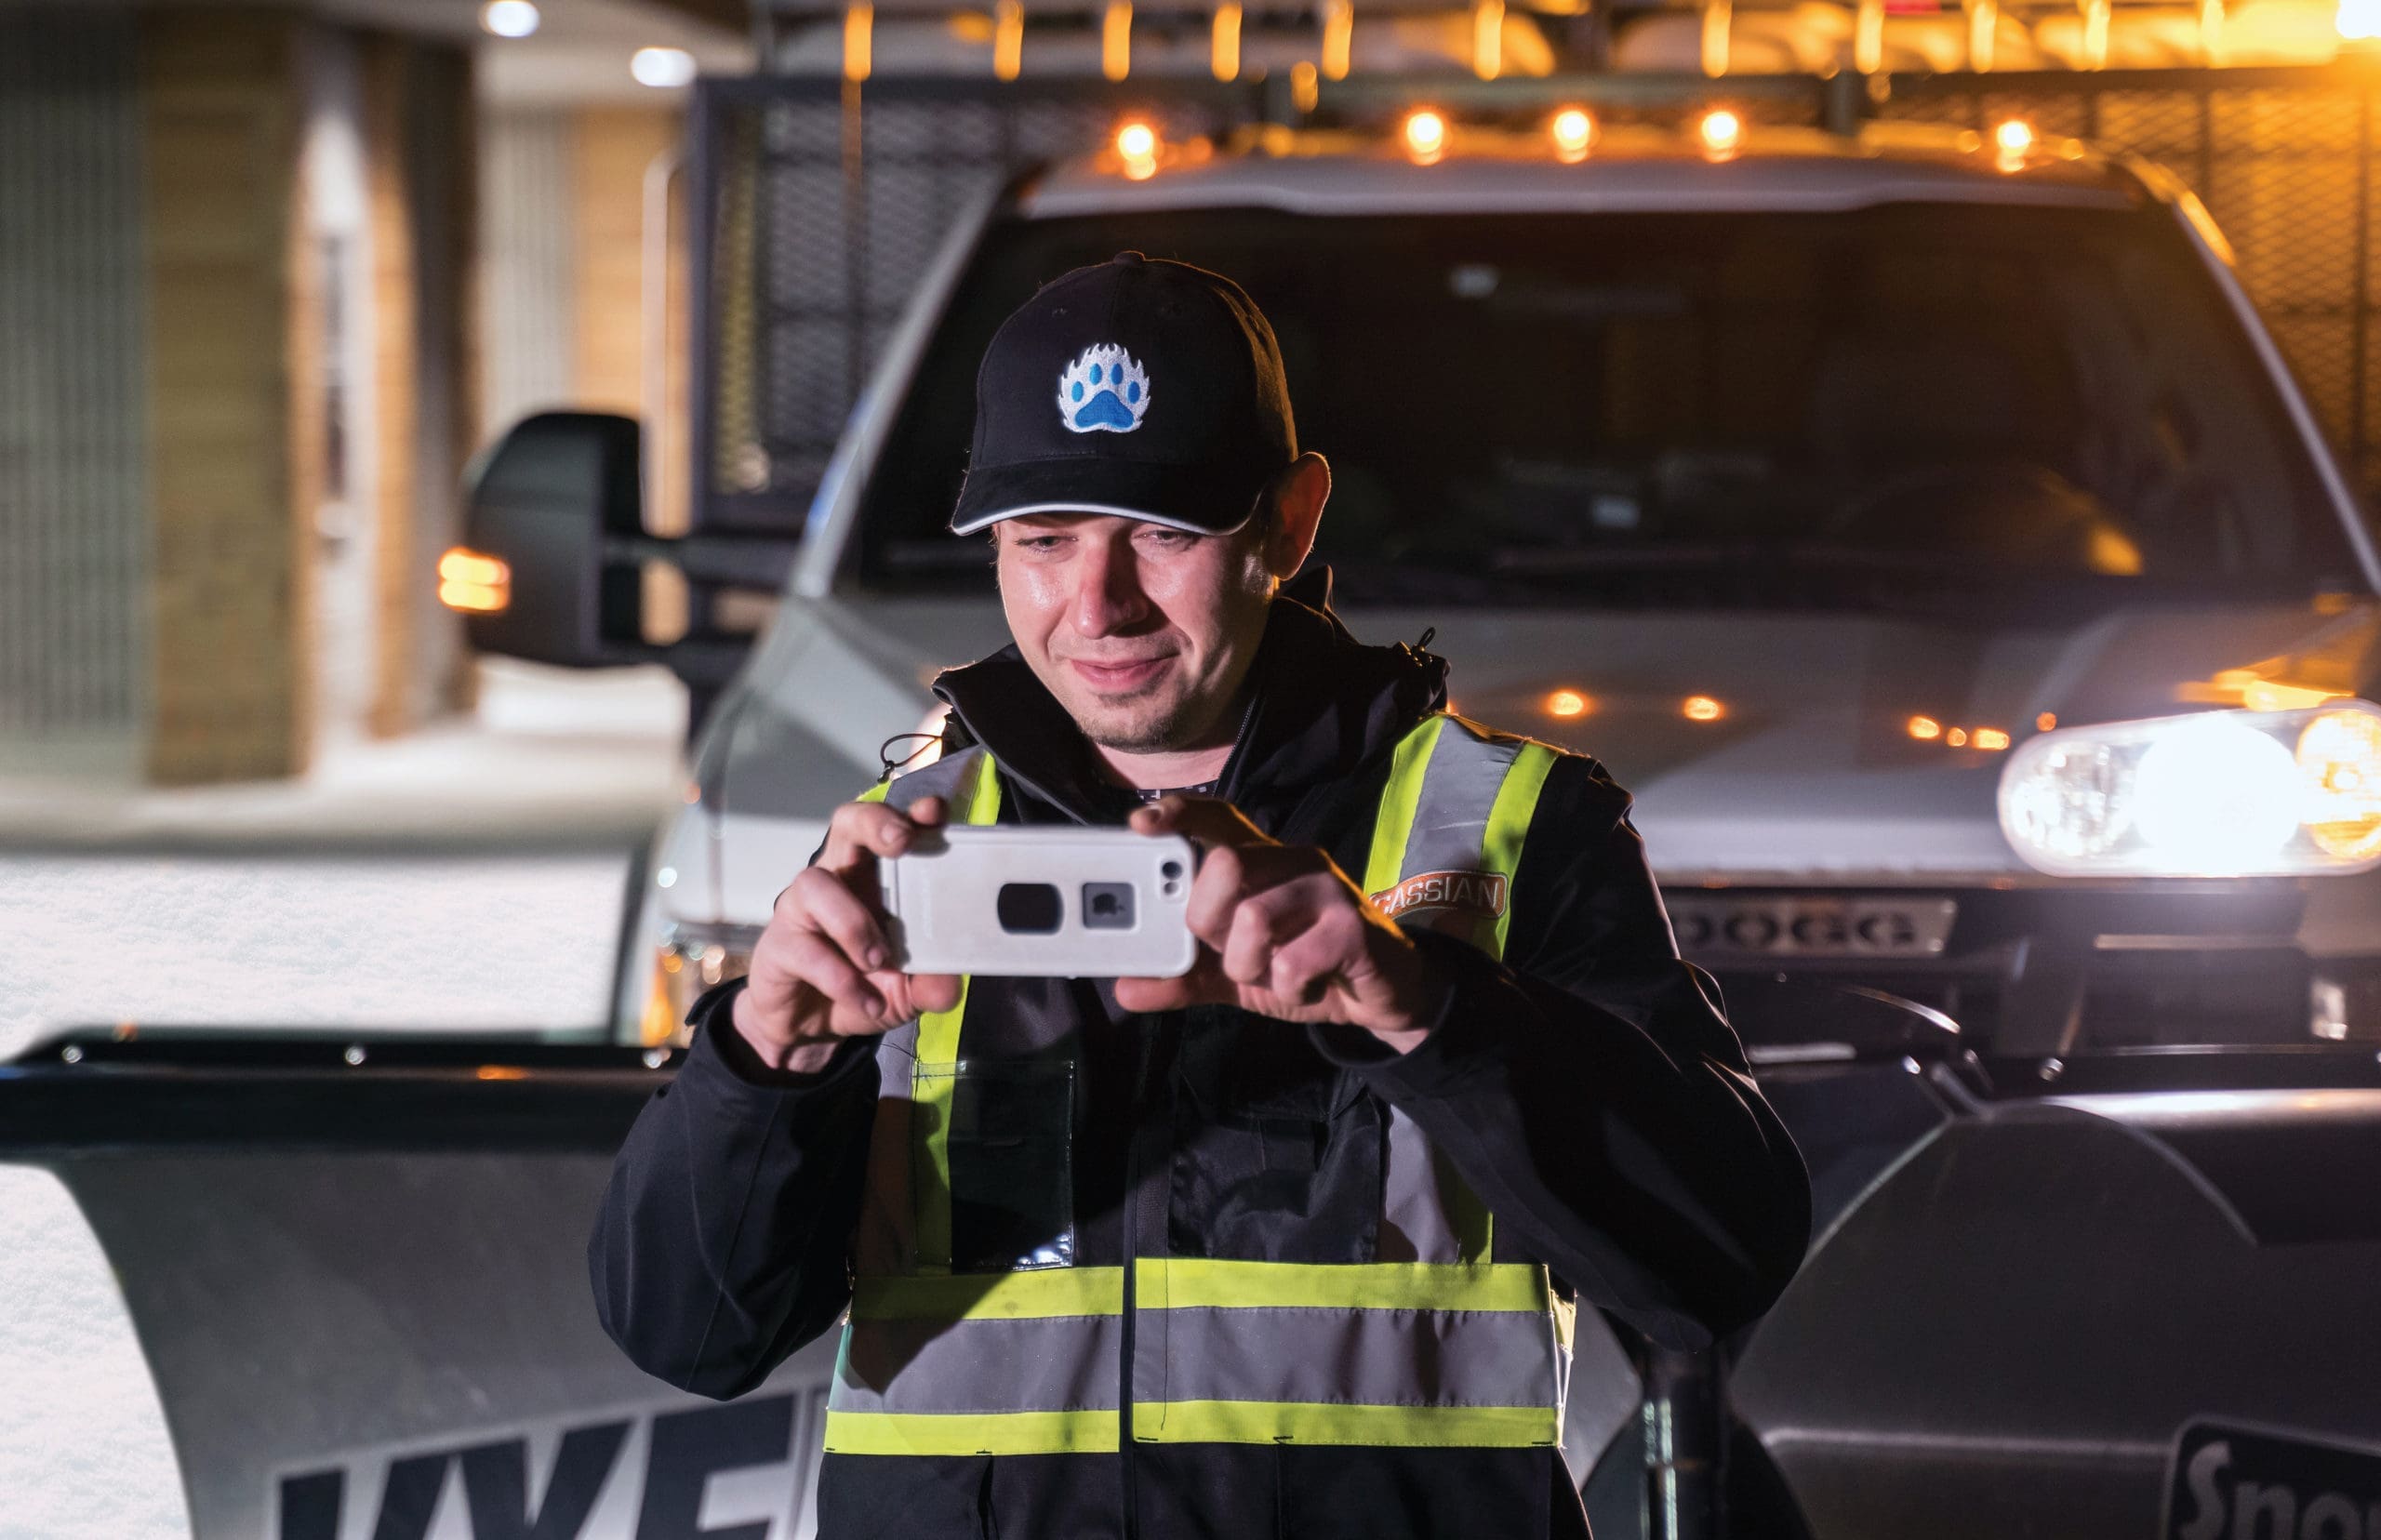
1052	902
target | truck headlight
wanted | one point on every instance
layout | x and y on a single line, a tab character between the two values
688	960
2215	794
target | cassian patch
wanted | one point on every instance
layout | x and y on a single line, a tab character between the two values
1480	893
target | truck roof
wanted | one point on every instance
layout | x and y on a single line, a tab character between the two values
1628	169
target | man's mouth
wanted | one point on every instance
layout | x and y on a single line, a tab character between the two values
1114	678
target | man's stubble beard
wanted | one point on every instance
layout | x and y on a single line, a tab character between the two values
1169	732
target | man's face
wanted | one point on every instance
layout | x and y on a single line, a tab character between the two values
1143	633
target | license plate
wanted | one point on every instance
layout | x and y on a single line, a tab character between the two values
1849	926
2229	1481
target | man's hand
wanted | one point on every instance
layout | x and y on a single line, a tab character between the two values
1284	933
820	970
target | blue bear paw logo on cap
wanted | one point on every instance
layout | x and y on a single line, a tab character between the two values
1103	391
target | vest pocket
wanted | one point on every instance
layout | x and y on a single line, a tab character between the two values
1277	1155
1009	1166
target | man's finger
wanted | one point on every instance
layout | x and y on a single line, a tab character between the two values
1260	925
918	993
826	904
815	961
1210	820
1204	985
858	830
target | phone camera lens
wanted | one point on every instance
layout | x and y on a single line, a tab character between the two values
1170	870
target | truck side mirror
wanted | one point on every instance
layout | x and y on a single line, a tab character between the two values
539	507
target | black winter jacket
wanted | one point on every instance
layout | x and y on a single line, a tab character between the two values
1588	1088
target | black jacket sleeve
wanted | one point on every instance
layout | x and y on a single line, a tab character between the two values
721	1243
1592	1092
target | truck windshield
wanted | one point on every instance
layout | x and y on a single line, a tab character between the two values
1712	408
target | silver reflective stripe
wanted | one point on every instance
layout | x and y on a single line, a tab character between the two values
1460	789
1063	1363
1372	1357
1414	1222
942	778
1466	770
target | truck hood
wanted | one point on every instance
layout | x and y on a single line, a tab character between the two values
1797	761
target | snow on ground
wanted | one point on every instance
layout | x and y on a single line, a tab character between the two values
145	907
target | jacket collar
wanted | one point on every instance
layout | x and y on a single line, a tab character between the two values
1321	706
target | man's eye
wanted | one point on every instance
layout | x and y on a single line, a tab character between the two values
1040	542
1167	537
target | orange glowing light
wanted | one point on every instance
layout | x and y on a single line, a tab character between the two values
1116	39
2045	721
1136	140
473	582
1991	739
1723	131
1957	738
1573	130
1566	703
1926	728
1701	708
1425	134
2014	136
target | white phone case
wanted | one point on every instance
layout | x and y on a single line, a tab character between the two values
1041	902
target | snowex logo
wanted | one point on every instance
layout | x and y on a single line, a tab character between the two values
740	1470
2239	1483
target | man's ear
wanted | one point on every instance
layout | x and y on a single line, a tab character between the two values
1300	493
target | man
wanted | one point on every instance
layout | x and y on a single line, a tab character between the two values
1289	1246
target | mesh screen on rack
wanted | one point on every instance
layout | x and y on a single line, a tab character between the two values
815	255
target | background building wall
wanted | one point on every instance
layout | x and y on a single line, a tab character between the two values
219	114
527	274
74	488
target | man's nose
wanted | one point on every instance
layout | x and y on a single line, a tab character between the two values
1108	595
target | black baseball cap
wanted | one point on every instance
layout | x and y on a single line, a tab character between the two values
1139	386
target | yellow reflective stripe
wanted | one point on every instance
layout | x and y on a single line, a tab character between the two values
1393	825
1508	826
876	793
932	1080
1318	1423
1207	1283
971	1433
1041	1294
984	795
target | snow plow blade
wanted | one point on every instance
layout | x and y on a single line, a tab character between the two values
361	1292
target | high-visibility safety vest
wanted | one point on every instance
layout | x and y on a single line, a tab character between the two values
1449	1349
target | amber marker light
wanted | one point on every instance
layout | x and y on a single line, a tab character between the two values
1136	140
2045	721
1701	708
1926	728
1990	739
1426	135
473	582
1957	738
1566	703
1722	132
2014	136
2273	694
1572	130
